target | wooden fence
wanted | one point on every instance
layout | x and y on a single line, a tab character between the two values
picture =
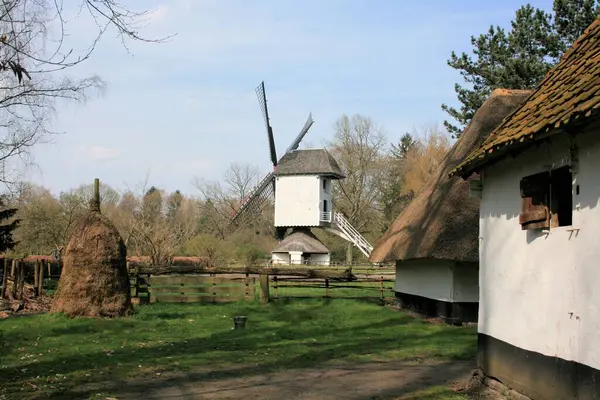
192	288
15	273
376	288
190	281
198	283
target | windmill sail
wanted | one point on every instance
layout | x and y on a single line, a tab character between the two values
262	100
264	192
305	128
254	203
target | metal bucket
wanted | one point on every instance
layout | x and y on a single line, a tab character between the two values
239	322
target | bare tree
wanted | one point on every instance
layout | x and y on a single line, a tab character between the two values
108	195
218	202
32	57
358	146
183	222
241	179
216	206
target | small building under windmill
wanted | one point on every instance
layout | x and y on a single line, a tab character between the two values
539	323
304	200
434	241
301	247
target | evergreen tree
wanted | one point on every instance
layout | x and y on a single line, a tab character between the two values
6	230
174	203
405	143
392	199
519	58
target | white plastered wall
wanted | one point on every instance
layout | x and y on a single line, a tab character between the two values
438	280
319	259
280	258
297	200
540	290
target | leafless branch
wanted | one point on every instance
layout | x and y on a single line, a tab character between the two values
32	51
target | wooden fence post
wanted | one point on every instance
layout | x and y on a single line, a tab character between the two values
327	288
381	289
247	284
41	278
22	281
264	288
214	290
275	287
138	270
36	285
4	278
15	275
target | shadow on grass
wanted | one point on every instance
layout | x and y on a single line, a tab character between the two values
382	381
277	336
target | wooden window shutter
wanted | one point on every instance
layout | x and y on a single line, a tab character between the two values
535	195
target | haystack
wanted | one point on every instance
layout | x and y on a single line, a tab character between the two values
94	280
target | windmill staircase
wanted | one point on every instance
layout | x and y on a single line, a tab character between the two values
344	229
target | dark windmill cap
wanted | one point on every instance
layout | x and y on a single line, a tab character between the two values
309	162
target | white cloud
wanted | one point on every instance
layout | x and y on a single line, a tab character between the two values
158	14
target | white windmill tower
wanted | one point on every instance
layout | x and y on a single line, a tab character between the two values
302	183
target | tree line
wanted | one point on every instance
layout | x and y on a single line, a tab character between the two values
382	177
159	224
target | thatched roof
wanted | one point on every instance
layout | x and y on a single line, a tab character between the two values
301	240
309	162
442	221
567	96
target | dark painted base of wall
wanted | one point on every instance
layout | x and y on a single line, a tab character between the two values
535	375
452	313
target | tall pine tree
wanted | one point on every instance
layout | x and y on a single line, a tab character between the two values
519	58
392	199
7	229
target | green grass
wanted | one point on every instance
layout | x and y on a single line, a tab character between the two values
53	354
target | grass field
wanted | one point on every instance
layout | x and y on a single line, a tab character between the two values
51	354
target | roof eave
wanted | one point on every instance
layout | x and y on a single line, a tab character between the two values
327	174
502	150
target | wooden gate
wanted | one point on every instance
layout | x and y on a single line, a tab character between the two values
198	288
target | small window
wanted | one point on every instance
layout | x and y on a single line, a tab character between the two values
325	185
547	199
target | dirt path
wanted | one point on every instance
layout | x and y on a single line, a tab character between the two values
388	380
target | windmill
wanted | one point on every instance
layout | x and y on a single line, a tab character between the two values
263	193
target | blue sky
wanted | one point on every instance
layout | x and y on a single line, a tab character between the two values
187	108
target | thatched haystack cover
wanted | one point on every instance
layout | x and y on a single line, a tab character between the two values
301	240
94	280
442	221
309	162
